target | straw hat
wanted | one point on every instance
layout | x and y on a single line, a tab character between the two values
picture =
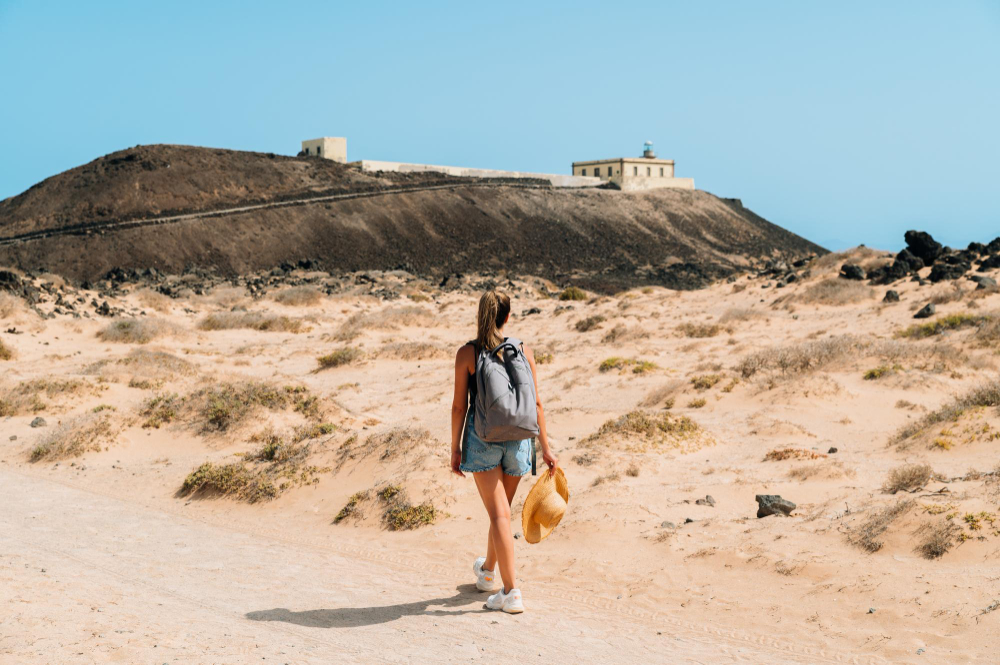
545	506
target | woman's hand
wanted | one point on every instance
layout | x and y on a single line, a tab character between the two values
456	462
551	460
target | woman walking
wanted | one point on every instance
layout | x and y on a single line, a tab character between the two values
496	466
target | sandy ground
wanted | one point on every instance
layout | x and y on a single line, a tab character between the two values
102	559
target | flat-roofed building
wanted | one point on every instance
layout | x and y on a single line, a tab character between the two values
632	173
327	147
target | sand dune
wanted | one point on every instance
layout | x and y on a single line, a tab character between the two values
655	400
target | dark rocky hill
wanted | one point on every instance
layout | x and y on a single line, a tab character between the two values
108	214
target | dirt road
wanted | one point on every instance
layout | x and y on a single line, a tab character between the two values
87	578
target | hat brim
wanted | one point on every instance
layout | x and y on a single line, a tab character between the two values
547	483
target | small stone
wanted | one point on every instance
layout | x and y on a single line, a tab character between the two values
891	296
832	450
667	525
38	422
919	651
13	437
688	520
707	501
517	535
926	311
871	610
773	504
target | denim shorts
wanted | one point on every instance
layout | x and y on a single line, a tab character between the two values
514	457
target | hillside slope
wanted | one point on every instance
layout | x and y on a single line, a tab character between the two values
604	239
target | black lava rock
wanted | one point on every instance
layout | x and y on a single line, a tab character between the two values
942	271
926	311
923	245
773	504
988	264
891	296
851	271
983	282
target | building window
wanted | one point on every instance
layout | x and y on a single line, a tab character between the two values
319	150
649	171
307	151
661	171
635	170
585	172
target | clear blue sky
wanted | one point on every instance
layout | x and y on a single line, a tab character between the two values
847	122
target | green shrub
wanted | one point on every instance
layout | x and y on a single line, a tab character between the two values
705	381
159	410
589	323
638	366
573	293
343	356
943	324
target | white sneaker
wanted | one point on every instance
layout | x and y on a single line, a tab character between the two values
509	602
485	580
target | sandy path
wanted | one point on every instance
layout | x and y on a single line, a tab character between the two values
91	578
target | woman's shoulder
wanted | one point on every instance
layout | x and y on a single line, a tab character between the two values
466	352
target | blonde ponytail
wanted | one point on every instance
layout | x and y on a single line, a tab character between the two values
494	307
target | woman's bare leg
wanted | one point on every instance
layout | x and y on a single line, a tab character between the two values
492	490
510	488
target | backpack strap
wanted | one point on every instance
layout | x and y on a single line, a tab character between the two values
534	471
512	342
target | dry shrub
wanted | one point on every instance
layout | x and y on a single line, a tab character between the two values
136	331
6	353
735	314
781	454
229	296
82	435
299	296
944	324
610	477
344	356
262	475
705	381
985	395
573	293
387	445
621	333
949	295
699	330
11	306
160	410
697	403
908	477
227	404
988	334
868	535
937	538
154	300
835	291
415	351
398	513
589	323
808	356
391	318
26	396
633	470
251	320
144	364
831	262
663	395
621	364
639	430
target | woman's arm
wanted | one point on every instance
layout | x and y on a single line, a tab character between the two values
463	363
543	436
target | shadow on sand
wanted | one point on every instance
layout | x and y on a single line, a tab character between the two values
352	617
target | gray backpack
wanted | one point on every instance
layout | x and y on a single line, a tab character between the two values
505	394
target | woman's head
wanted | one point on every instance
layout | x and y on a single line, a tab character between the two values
494	308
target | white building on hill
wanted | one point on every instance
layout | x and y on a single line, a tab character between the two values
634	173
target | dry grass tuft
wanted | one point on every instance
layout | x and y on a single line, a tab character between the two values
6	353
391	318
344	356
589	323
143	365
735	314
781	454
705	381
160	410
637	431
908	477
414	351
573	293
251	320
83	435
663	395
299	296
804	357
937	539
986	395
621	364
154	300
944	324
835	292
699	330
135	331
228	404
10	305
398	513
26	396
868	535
